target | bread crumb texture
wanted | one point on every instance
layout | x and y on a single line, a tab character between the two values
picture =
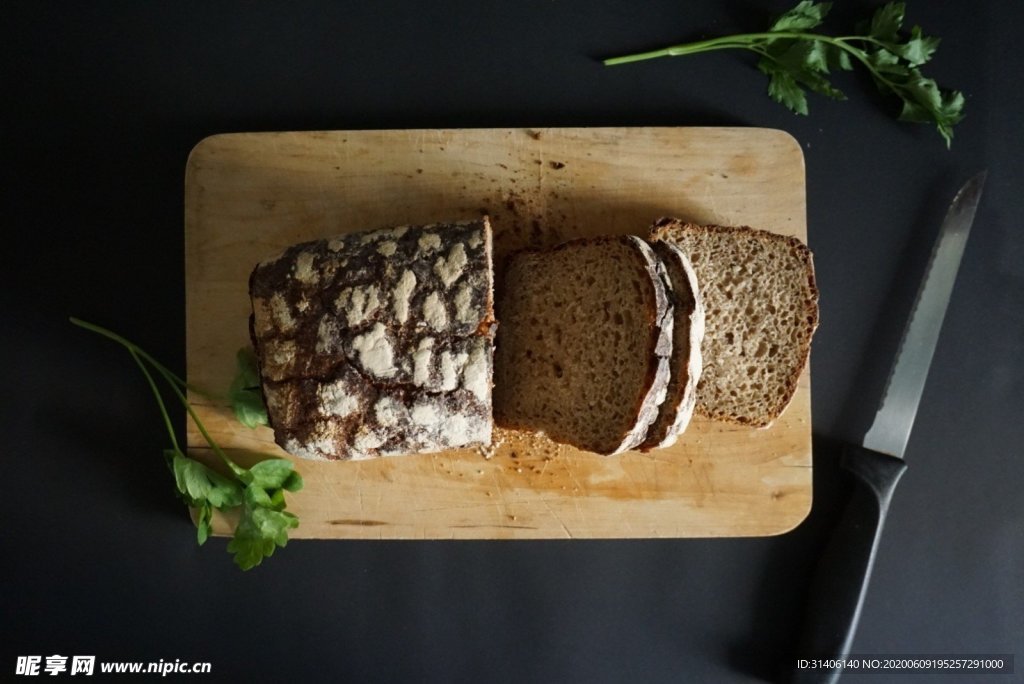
576	351
378	343
761	311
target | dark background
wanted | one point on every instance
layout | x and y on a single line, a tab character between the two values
101	104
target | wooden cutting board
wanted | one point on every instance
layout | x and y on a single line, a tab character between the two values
249	195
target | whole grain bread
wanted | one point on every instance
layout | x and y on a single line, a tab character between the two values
685	363
584	344
761	304
378	343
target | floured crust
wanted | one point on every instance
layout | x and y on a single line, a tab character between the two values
378	343
790	280
688	332
661	354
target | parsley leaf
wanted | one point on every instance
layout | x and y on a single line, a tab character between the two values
260	530
882	61
806	15
783	88
274	474
264	523
259	490
806	64
795	60
838	58
919	49
245	394
199	483
887	21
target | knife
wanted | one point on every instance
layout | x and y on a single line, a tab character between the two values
841	579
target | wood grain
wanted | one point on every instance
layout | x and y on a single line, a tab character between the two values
249	195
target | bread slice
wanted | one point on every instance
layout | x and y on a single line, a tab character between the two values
378	343
688	332
761	304
584	343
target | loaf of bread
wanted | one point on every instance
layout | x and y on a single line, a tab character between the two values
378	343
584	347
761	304
685	362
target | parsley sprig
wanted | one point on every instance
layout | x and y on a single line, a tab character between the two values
259	491
795	59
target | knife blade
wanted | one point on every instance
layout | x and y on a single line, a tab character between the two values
840	583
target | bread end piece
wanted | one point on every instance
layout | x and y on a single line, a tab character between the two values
761	302
378	343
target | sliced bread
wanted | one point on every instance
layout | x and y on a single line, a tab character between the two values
378	343
584	343
688	332
761	305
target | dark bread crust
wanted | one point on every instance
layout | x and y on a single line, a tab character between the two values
671	229
378	343
657	349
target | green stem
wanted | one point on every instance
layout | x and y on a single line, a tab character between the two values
862	58
747	41
743	40
863	39
159	399
111	335
235	468
175	383
724	43
131	346
754	42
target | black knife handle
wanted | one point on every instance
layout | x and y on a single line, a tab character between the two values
841	578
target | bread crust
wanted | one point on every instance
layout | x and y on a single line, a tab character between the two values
688	311
668	229
660	368
378	343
